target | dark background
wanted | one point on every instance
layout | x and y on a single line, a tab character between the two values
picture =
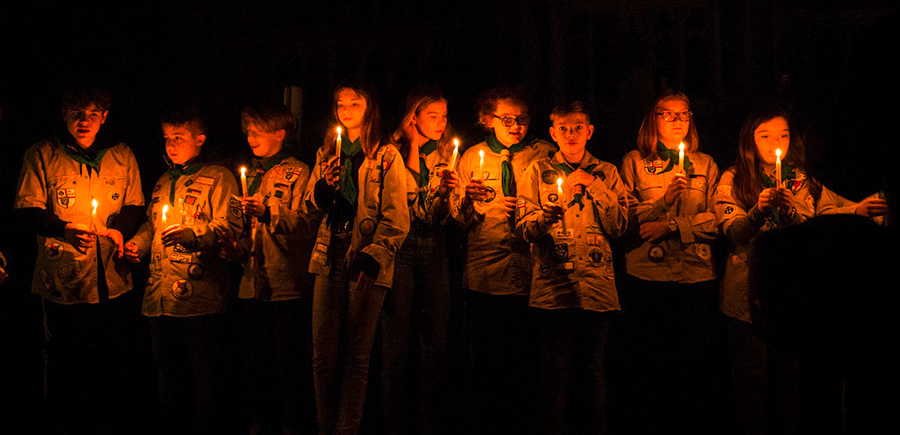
830	61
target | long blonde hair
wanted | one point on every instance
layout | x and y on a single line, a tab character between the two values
370	135
417	100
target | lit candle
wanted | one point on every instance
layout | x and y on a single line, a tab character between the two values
244	180
164	212
93	212
559	201
681	157
778	168
481	165
455	153
338	150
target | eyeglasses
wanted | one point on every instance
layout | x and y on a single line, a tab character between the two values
508	121
92	116
670	116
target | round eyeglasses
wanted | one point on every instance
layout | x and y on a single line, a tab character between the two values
508	121
670	116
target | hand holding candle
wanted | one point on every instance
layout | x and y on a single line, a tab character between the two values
244	180
560	202
778	168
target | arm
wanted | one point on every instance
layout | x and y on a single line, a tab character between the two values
32	213
288	217
611	199
739	226
529	212
223	224
701	226
392	228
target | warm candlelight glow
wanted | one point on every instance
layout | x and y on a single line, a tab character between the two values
338	150
481	165
777	167
165	210
681	157
244	180
559	182
455	153
559	201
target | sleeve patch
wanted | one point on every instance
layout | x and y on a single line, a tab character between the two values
207	181
723	191
234	205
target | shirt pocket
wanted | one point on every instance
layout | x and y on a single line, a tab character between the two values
114	188
651	187
697	186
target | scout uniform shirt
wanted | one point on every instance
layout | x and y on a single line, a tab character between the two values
382	211
58	177
280	248
573	269
741	226
427	182
498	260
684	256
190	279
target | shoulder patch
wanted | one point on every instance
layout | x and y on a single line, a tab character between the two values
234	206
549	177
652	167
292	173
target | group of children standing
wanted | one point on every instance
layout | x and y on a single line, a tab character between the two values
358	243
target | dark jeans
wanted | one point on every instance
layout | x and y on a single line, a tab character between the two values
503	363
670	341
277	353
189	367
95	372
572	381
344	324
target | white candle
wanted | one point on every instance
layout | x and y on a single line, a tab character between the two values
244	180
94	210
337	152
165	210
681	157
455	153
778	168
559	201
481	165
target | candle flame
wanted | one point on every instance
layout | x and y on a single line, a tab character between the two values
778	152
681	147
339	131
243	170
481	154
456	142
94	203
165	210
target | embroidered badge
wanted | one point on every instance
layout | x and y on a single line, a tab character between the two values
182	289
810	201
65	197
234	205
292	173
279	194
490	194
206	181
114	196
596	257
194	192
110	181
190	199
54	251
367	227
656	253
729	210
652	167
549	177
702	250
46	280
552	197
560	252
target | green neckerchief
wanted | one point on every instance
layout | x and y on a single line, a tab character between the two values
347	185
424	174
568	170
262	166
81	157
672	156
507	178
787	173
176	171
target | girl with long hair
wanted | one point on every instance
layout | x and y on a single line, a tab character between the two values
361	196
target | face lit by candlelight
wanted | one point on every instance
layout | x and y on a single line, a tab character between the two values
351	109
84	124
182	144
771	135
264	144
671	133
432	120
571	132
516	132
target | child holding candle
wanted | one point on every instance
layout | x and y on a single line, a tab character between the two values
421	291
498	263
83	282
668	295
363	197
573	287
188	282
748	202
276	289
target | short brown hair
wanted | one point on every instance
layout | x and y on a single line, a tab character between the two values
487	102
570	108
188	117
269	117
80	97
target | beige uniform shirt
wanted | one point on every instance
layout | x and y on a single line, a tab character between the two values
382	211
436	164
52	180
684	256
498	260
320	258
190	279
277	267
573	268
741	225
